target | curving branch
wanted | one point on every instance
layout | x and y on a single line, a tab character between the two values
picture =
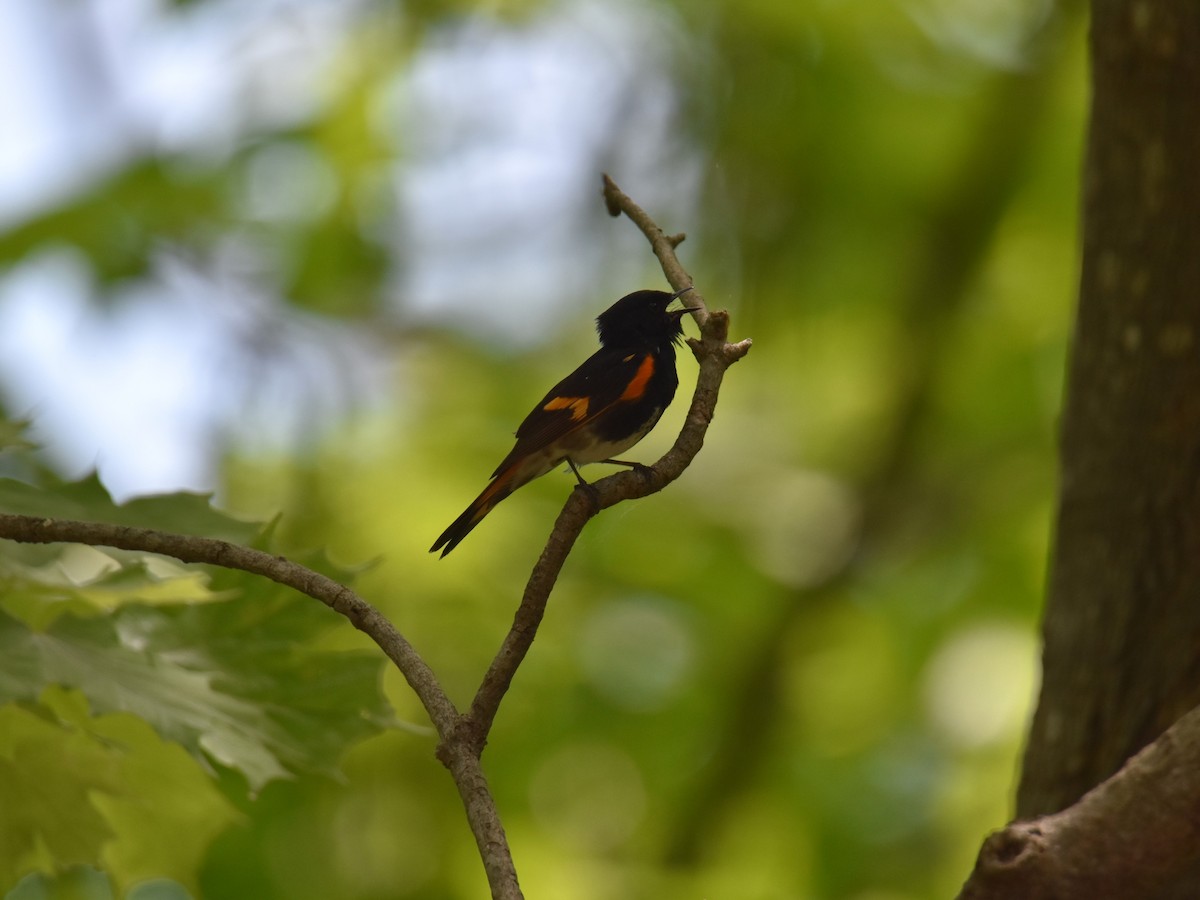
192	549
464	768
462	737
715	355
1127	839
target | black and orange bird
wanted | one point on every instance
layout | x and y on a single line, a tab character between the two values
600	410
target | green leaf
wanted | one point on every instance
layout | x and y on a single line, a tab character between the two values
12	435
47	777
236	682
88	500
131	690
40	582
79	790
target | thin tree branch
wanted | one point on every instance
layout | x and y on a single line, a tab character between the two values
663	244
461	757
464	767
1126	839
715	355
192	549
462	738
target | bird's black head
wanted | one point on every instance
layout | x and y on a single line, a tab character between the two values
641	319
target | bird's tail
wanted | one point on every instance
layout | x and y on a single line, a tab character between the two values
502	485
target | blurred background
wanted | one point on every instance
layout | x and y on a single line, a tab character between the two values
321	256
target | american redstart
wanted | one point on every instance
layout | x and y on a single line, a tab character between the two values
600	410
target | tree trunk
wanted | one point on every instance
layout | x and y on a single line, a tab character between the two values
1122	626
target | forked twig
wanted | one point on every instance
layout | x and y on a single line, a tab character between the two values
462	736
715	355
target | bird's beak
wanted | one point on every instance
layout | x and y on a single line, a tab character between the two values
679	313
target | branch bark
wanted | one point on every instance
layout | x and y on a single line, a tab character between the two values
1127	839
462	737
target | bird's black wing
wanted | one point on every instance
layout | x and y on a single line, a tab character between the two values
607	379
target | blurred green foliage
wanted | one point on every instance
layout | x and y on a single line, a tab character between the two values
115	665
801	672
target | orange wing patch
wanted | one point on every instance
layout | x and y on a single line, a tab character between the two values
637	385
577	405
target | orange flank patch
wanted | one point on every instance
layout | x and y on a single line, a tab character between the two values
577	405
637	386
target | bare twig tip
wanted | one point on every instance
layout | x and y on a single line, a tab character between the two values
611	192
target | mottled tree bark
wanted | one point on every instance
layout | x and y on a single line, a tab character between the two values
1122	624
1121	659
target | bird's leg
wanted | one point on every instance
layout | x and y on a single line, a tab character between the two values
575	469
589	489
